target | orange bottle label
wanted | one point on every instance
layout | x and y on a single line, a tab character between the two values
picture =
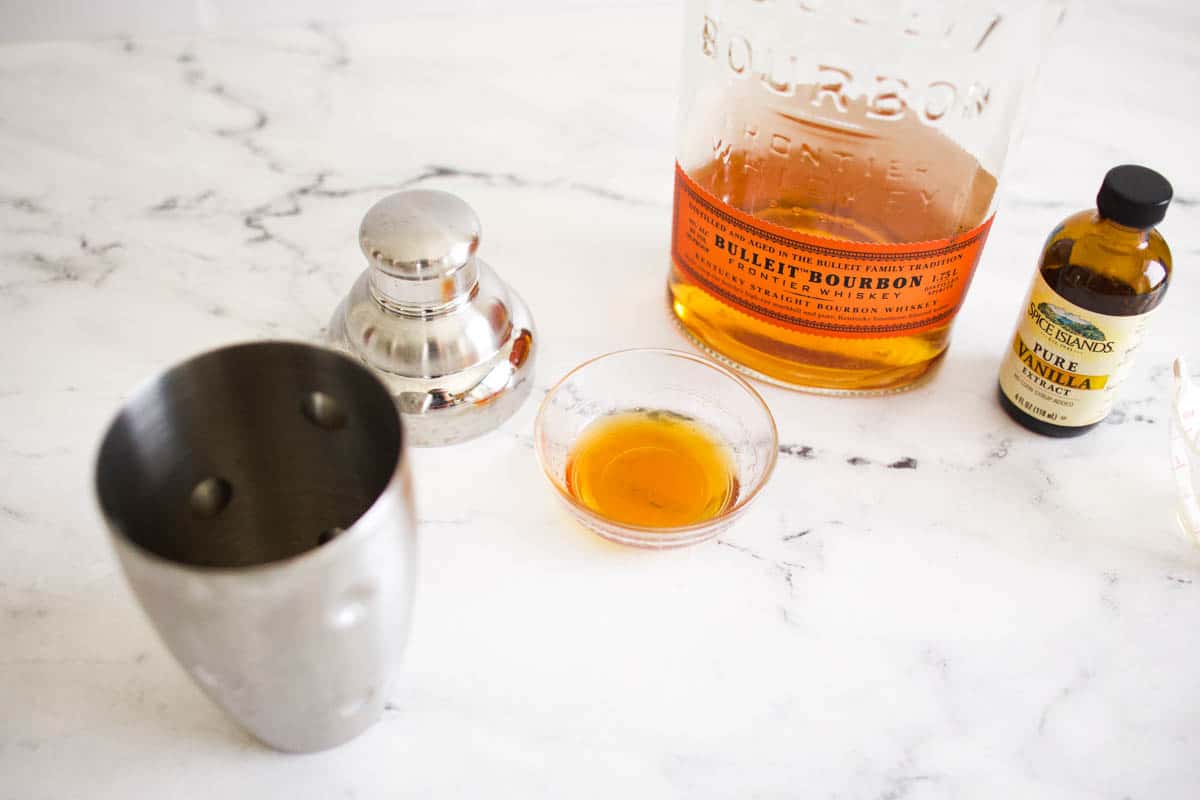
813	284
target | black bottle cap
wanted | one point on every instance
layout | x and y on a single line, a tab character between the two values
1134	196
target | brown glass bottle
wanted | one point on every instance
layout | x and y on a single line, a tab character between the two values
1100	275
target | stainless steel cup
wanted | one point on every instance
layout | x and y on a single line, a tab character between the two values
259	502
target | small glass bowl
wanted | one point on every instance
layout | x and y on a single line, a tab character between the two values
664	380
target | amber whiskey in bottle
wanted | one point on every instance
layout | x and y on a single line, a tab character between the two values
1100	276
836	168
912	185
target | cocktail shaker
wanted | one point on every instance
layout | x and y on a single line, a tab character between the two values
259	502
454	343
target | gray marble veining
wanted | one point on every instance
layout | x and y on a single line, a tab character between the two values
927	602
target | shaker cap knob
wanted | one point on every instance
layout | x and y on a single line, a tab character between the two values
419	234
421	245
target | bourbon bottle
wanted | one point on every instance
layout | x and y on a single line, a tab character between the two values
836	179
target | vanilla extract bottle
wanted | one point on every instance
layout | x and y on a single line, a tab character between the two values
1101	275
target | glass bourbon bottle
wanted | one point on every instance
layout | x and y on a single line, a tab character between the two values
836	178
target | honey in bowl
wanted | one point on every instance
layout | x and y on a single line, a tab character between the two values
652	469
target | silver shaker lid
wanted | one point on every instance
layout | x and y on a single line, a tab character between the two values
451	340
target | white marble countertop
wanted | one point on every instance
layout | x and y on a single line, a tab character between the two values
1011	617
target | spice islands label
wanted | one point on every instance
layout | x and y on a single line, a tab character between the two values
1065	362
819	285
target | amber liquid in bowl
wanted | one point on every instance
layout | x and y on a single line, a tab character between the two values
651	469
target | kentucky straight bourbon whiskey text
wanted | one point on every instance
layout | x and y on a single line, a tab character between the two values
834	182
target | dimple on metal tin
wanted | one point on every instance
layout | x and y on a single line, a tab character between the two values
453	343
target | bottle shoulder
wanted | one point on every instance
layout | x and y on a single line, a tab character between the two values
1087	226
1105	267
1158	248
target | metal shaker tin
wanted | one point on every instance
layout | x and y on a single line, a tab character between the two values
451	340
260	505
